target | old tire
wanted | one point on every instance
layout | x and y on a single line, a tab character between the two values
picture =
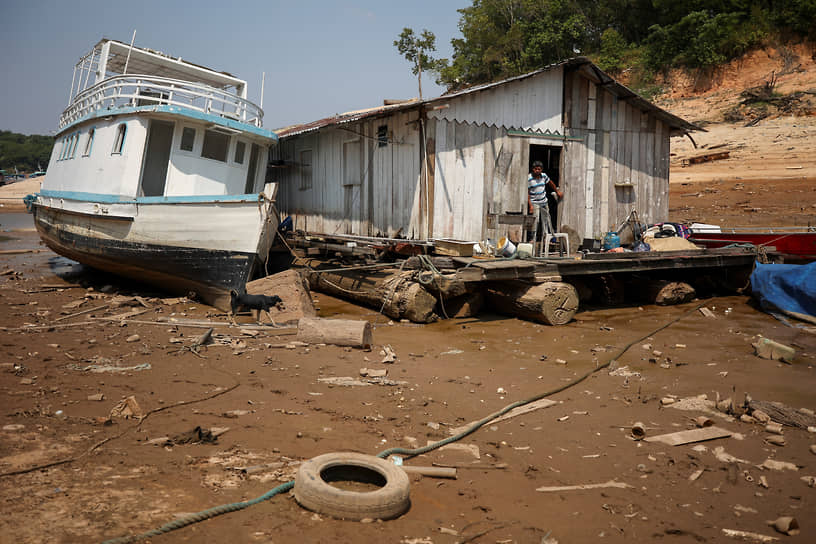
313	492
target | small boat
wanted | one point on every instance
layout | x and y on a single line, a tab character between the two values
158	174
791	243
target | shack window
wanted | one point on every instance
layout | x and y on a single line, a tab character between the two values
382	135
215	146
187	139
119	142
89	143
306	169
239	152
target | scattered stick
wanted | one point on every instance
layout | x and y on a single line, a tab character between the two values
750	537
610	483
89	310
433	472
19	251
47	327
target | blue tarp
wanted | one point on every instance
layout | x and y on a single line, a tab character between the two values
790	288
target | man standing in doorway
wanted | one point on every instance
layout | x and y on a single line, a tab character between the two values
538	184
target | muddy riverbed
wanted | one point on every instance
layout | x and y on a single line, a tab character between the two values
64	371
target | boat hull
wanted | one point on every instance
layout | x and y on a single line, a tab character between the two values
793	245
219	251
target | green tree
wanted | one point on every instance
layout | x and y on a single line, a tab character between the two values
613	51
25	153
415	49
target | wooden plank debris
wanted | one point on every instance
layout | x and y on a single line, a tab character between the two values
610	483
707	157
687	437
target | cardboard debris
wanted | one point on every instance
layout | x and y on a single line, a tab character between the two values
127	408
686	437
531	407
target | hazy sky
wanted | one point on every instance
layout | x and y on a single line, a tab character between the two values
320	57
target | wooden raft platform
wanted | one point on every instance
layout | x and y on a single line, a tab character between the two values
471	269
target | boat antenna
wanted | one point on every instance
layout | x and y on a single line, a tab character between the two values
127	60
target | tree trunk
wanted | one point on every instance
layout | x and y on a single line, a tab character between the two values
397	294
340	332
553	303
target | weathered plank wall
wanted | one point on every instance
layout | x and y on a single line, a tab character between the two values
619	164
357	185
615	159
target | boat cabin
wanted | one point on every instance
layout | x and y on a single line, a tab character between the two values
144	124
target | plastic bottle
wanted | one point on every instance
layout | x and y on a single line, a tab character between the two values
611	240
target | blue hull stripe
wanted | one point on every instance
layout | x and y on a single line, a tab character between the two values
120	199
180	111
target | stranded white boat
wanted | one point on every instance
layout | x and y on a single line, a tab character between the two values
158	174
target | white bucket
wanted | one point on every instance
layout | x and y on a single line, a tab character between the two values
525	251
506	247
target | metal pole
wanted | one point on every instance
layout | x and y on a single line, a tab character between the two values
127	60
263	80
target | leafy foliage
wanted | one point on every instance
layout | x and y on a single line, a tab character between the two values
504	38
25	153
415	49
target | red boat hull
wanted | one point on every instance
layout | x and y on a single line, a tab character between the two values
801	245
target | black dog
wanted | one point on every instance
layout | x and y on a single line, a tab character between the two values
240	301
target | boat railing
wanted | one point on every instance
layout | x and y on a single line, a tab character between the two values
143	90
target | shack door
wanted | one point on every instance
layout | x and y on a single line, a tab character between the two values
550	156
157	157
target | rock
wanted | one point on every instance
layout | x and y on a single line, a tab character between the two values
133	338
97	397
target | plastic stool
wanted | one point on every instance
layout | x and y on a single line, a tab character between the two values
561	237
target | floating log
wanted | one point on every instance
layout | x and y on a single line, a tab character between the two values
340	332
399	296
553	303
292	288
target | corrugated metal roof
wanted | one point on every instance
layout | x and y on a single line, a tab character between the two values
604	79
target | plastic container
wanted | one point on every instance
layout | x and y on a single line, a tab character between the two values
525	251
506	247
611	240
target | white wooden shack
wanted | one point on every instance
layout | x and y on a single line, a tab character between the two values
456	166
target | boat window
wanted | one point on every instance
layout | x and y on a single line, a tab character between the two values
215	146
62	149
187	139
306	169
239	152
76	145
89	142
119	142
